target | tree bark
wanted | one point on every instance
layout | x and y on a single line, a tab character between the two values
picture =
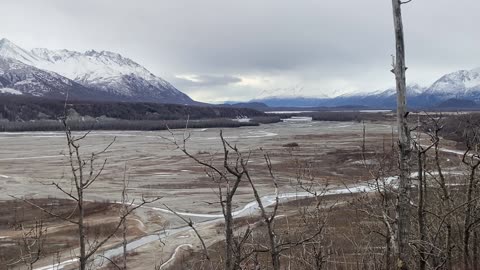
81	230
422	263
229	260
403	201
124	225
468	216
475	251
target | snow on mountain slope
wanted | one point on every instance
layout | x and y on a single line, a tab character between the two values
9	50
105	71
462	83
109	72
10	91
413	90
19	78
91	67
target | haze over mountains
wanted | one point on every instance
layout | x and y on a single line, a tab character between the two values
459	85
90	75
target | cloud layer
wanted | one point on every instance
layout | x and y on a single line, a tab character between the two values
238	50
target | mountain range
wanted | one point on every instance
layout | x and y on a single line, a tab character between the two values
108	76
459	85
91	75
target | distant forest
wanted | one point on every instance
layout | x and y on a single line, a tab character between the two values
19	109
40	114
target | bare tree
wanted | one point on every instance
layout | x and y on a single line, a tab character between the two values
123	211
228	178
471	158
32	244
85	172
402	209
380	207
421	151
190	223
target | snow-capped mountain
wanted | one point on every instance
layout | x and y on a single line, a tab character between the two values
290	101
378	98
460	84
413	90
109	73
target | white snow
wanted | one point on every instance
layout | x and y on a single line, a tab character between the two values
10	91
9	50
298	119
286	112
57	266
457	83
174	254
242	120
93	68
413	89
103	69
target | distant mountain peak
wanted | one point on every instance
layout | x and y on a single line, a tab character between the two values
6	42
9	49
460	83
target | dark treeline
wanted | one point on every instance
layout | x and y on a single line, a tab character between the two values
55	125
458	127
15	108
350	116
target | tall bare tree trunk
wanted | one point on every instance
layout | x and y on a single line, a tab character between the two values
402	208
422	263
124	225
468	218
229	261
81	231
475	251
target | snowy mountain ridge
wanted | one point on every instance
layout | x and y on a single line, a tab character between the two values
462	84
457	84
21	79
104	71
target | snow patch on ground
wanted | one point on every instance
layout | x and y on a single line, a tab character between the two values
173	255
58	266
298	119
287	112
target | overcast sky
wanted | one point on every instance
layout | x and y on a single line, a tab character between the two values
217	50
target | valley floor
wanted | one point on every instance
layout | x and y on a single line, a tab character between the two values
31	161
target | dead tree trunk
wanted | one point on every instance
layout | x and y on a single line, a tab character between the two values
268	219
124	210
403	201
81	231
468	224
228	178
229	252
422	260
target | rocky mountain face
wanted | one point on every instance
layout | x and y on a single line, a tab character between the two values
18	78
95	75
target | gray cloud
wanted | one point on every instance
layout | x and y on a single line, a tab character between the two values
325	46
204	80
